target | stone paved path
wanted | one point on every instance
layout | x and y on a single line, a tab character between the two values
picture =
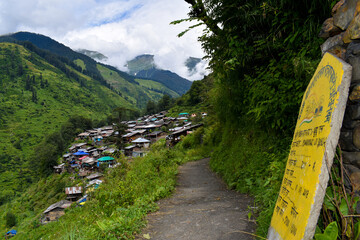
201	208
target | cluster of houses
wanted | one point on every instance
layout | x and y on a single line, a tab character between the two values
94	150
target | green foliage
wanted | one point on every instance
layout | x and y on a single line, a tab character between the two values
50	149
262	54
29	205
339	206
10	220
330	233
262	57
157	87
165	103
192	140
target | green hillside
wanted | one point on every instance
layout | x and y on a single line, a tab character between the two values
121	82
157	87
138	94
139	63
35	99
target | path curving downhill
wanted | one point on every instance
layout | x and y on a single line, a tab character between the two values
202	208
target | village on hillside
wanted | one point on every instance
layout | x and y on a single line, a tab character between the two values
94	150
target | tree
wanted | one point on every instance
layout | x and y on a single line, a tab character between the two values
10	220
28	83
255	50
44	159
164	103
150	107
34	97
120	129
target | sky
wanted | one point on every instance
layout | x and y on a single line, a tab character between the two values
119	29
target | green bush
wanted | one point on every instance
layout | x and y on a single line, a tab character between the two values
10	219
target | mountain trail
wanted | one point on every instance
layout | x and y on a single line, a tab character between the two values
201	208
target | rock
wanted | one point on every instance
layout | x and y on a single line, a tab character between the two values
332	42
356	136
353	49
355	62
338	51
328	29
353	31
344	13
348	122
352	56
352	158
353	111
355	94
346	141
337	6
353	179
354	28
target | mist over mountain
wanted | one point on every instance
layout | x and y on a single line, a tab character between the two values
140	63
144	66
93	54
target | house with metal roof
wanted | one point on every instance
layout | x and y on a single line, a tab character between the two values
55	211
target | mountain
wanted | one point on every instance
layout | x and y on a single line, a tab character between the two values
46	43
144	67
119	81
167	78
191	63
39	91
141	62
93	54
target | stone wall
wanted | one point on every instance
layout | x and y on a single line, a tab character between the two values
342	34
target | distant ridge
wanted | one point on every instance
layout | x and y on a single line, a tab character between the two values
144	66
93	54
169	79
47	43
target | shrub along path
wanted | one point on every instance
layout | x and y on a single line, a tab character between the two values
201	208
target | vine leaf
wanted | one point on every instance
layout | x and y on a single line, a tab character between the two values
330	233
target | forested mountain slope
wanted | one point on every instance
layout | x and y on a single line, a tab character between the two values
119	81
36	97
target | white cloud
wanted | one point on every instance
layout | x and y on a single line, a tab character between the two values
120	29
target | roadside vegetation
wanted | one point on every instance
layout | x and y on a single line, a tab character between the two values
262	56
117	209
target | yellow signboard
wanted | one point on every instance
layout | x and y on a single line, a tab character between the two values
303	184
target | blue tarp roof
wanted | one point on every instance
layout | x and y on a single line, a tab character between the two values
12	232
80	153
83	199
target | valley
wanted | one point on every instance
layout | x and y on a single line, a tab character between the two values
125	142
41	90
